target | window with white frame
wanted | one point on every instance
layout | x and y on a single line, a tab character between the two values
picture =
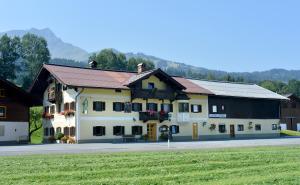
196	108
274	127
240	127
2	112
214	108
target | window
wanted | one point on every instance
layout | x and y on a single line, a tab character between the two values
2	93
118	90
240	127
183	107
136	107
72	131
51	131
174	129
72	106
52	109
196	108
2	130
98	131
66	131
137	130
46	132
118	106
151	85
119	130
222	107
58	107
46	109
58	130
274	127
258	127
214	108
66	106
151	106
2	112
98	106
222	128
294	105
127	107
166	107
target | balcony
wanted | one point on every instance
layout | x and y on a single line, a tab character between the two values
152	115
152	94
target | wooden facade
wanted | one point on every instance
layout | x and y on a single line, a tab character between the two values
290	112
246	108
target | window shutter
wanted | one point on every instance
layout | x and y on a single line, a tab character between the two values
147	106
162	107
103	128
192	108
94	105
155	106
177	129
123	130
103	106
140	107
171	107
122	106
199	108
114	106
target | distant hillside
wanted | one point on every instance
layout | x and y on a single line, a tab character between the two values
57	47
60	49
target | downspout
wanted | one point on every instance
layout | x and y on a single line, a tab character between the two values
77	116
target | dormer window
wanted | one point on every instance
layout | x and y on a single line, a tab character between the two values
2	93
151	85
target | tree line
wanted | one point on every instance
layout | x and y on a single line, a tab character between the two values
21	58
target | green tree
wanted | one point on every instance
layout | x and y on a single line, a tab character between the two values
35	122
9	53
34	52
132	63
294	87
108	59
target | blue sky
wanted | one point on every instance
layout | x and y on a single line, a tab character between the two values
241	35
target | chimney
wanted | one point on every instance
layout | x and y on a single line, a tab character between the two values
93	64
140	68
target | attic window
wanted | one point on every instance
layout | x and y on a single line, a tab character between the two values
2	93
151	85
2	112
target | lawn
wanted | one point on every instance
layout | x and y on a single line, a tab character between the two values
289	133
262	165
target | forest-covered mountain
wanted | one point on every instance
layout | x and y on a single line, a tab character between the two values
60	49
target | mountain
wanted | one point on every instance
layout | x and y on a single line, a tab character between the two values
60	49
57	47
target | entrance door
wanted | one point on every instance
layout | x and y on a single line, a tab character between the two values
151	131
195	131
232	133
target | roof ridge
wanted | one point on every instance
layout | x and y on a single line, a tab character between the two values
96	69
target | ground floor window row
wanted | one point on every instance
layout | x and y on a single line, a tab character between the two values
135	130
241	127
67	131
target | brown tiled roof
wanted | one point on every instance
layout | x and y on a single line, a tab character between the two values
84	77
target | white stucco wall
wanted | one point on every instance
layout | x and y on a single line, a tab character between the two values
14	130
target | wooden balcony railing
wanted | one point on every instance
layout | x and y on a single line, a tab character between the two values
152	115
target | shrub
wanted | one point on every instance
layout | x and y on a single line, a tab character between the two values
64	139
71	140
59	135
163	136
51	139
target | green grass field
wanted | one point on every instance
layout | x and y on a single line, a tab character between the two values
289	133
268	165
